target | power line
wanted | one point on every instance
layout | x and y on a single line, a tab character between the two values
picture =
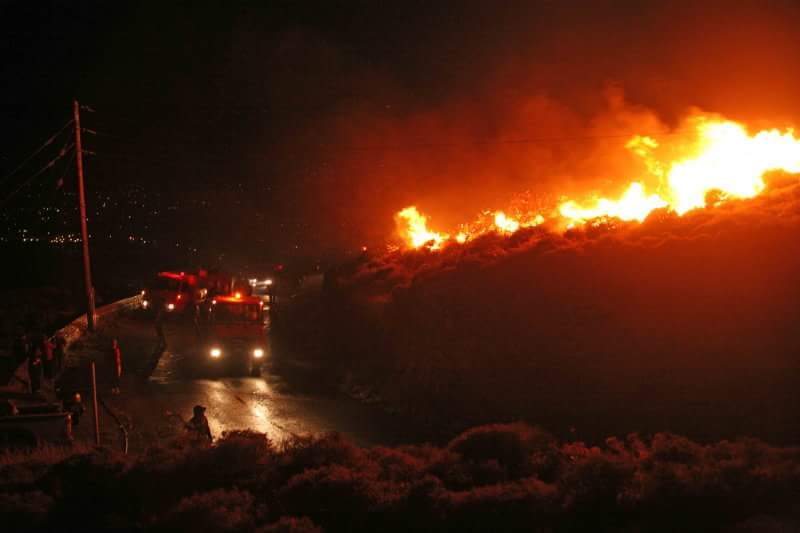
479	142
60	181
48	166
50	195
305	145
47	143
467	143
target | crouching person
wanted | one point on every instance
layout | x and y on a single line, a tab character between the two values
198	425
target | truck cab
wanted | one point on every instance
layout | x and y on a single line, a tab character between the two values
237	332
173	292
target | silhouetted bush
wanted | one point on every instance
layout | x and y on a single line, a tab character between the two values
92	480
502	452
333	495
23	511
238	458
217	510
302	453
395	465
291	524
500	477
527	503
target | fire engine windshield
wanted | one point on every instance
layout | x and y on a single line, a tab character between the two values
235	312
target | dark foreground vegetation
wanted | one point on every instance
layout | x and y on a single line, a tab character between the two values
491	478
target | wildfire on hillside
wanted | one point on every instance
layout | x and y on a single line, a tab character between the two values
710	157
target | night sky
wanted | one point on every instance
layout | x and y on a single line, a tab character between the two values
292	131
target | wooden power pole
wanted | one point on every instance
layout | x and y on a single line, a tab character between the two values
87	267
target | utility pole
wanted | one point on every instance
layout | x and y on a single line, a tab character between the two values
87	267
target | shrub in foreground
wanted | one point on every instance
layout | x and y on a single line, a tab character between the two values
217	510
492	478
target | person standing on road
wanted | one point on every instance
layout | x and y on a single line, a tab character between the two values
76	409
35	369
115	362
199	423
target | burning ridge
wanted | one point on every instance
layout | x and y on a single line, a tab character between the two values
775	208
705	162
665	323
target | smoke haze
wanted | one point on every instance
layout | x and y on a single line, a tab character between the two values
460	109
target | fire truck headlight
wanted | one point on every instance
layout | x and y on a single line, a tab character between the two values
170	307
145	303
215	353
258	353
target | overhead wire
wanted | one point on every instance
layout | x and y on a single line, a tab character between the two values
305	145
50	195
47	143
479	142
60	181
397	147
63	152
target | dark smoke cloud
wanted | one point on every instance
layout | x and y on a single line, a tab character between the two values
418	105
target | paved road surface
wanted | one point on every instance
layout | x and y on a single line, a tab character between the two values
289	398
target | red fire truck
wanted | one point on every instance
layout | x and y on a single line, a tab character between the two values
237	332
174	291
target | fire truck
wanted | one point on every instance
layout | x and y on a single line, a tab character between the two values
174	292
237	332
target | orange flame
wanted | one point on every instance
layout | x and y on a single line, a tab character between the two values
633	205
505	224
732	162
717	155
415	229
724	158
